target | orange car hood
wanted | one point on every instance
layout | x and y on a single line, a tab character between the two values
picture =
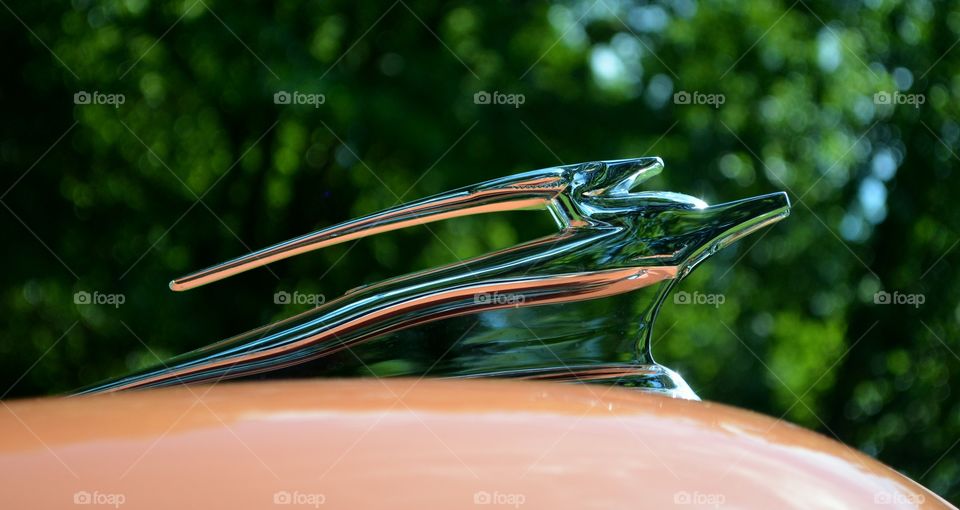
368	443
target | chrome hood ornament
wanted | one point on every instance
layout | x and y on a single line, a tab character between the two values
578	305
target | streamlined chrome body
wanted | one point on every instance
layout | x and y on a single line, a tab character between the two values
577	305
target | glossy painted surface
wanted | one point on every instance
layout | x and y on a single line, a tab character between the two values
405	443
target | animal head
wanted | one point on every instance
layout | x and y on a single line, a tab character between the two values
657	227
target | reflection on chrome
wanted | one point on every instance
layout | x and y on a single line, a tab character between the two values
578	305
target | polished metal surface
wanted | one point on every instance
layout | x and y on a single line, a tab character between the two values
576	305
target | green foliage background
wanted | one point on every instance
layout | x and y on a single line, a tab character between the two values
199	165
